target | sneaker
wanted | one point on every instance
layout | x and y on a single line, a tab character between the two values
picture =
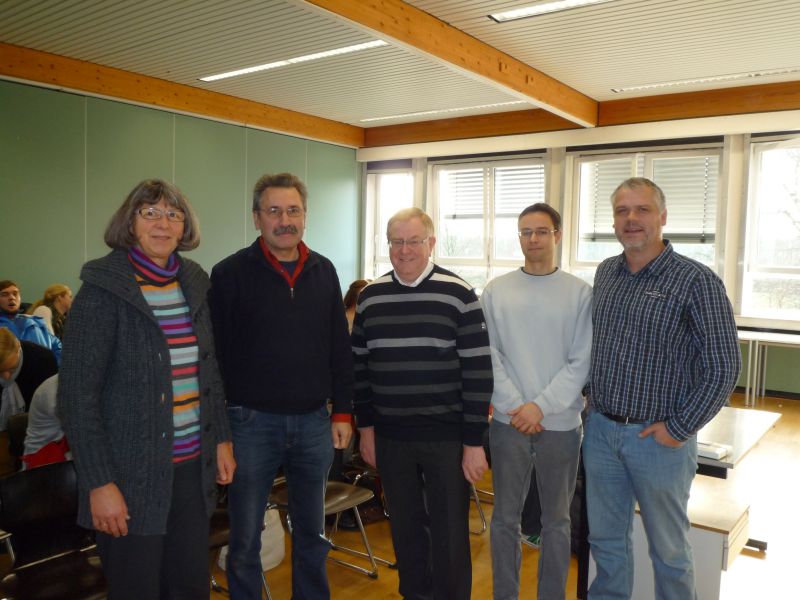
534	541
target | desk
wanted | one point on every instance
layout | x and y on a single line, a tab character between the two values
719	524
718	532
756	368
739	428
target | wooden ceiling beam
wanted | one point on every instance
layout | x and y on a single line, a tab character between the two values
478	126
768	97
762	98
423	33
53	70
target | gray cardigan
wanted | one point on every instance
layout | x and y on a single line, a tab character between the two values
115	391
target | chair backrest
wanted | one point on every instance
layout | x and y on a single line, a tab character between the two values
17	427
39	508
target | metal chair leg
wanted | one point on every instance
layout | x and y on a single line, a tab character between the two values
475	497
266	587
373	560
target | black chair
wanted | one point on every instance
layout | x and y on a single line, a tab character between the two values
51	557
220	532
17	428
339	497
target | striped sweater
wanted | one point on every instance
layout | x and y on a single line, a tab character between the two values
163	294
423	367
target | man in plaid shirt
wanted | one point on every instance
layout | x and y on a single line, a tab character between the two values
665	358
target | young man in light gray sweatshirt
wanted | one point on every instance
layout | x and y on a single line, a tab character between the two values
540	328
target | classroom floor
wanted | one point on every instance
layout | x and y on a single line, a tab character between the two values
767	477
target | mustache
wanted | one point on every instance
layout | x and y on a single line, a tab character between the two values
280	230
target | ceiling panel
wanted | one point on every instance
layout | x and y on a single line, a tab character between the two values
591	49
635	42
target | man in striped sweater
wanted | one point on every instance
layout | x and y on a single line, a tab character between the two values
423	385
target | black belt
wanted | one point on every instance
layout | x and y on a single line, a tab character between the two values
624	420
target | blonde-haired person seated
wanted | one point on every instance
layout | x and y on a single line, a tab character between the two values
23	367
53	308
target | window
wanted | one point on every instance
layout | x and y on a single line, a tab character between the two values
476	209
690	181
386	194
771	281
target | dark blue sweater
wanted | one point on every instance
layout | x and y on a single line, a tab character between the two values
281	352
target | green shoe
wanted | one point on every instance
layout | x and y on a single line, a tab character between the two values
534	541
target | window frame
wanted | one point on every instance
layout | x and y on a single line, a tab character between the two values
374	238
746	316
647	156
487	260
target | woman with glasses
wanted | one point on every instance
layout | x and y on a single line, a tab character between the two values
142	401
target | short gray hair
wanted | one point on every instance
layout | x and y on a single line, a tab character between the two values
281	180
634	183
119	233
407	214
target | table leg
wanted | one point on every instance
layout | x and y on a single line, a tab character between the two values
749	400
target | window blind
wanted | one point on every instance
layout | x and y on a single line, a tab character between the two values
690	185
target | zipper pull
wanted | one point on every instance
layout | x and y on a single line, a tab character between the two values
291	293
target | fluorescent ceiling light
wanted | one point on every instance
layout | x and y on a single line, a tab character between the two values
298	59
713	79
442	111
542	8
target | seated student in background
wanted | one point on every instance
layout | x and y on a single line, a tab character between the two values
45	442
350	299
24	327
53	308
23	368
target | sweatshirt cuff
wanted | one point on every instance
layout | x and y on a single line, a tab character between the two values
341	418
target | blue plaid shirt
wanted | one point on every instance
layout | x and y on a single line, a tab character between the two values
665	345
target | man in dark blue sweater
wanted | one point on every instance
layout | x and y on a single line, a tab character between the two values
423	385
284	352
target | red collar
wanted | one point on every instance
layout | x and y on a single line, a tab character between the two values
276	264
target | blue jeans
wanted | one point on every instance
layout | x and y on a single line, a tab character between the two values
262	443
554	456
621	469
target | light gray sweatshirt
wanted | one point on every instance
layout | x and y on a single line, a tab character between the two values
540	328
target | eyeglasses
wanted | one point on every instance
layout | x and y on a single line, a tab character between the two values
537	233
413	244
151	213
276	212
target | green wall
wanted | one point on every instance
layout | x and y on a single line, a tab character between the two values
782	369
68	161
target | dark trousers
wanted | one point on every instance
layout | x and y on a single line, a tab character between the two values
428	500
173	566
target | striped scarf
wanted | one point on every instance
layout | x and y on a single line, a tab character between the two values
163	294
